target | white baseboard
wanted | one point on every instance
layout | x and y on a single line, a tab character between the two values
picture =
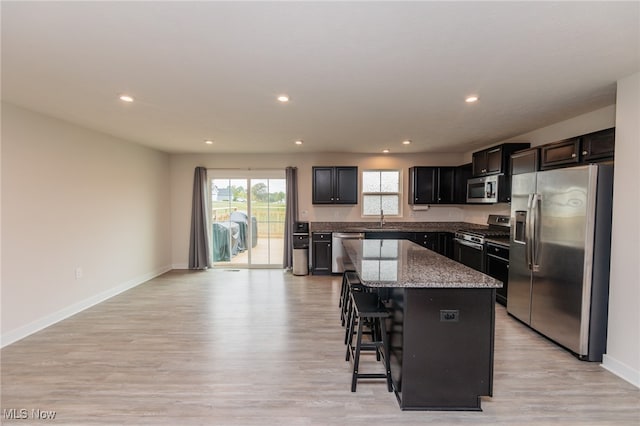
180	266
48	320
621	370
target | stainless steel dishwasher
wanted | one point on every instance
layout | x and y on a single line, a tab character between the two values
338	255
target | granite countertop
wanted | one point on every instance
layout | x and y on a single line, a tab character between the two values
401	263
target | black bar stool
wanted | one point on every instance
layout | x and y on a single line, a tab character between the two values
350	282
368	310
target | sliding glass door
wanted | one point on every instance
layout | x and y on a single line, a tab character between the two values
247	218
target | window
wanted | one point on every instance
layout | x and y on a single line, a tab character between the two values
381	192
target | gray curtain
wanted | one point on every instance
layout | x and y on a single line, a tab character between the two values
199	241
291	215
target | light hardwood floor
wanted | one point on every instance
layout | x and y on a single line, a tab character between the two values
261	347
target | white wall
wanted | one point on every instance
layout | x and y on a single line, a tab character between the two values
623	340
74	198
182	166
599	119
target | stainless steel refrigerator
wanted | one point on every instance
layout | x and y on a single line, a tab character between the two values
559	255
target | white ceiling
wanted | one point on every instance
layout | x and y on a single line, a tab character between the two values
362	76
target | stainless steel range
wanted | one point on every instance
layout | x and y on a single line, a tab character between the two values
469	244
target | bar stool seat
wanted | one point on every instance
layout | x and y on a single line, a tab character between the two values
368	310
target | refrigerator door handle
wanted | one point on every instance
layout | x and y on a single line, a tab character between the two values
528	233
535	247
529	201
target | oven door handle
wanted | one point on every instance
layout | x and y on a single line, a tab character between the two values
469	244
497	257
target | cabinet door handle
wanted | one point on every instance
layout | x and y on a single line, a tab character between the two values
337	199
585	152
573	155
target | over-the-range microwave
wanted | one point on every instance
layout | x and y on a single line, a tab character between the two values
487	189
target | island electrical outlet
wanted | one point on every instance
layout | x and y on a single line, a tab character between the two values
449	315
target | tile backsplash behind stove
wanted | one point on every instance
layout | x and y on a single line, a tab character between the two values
479	213
463	213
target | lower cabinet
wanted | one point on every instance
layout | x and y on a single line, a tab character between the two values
497	266
321	253
440	242
427	239
388	235
445	244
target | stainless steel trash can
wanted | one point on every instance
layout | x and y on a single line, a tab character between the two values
301	249
300	261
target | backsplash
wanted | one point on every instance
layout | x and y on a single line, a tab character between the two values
480	213
464	213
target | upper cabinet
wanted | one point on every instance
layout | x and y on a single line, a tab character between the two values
432	185
495	160
462	174
598	146
335	185
525	161
560	154
589	148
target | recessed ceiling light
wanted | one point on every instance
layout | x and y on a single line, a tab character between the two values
126	98
298	142
283	98
386	151
471	99
209	142
406	142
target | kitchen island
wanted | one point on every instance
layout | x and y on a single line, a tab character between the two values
442	327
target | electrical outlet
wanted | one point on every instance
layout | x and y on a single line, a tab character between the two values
78	273
449	315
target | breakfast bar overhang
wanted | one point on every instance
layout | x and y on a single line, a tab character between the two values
442	324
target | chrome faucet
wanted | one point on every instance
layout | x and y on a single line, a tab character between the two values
381	218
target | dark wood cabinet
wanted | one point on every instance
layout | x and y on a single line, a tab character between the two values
427	239
487	162
497	266
432	185
446	185
445	244
440	242
388	235
526	161
598	146
495	160
584	149
462	174
335	185
321	253
423	185
560	154
440	364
